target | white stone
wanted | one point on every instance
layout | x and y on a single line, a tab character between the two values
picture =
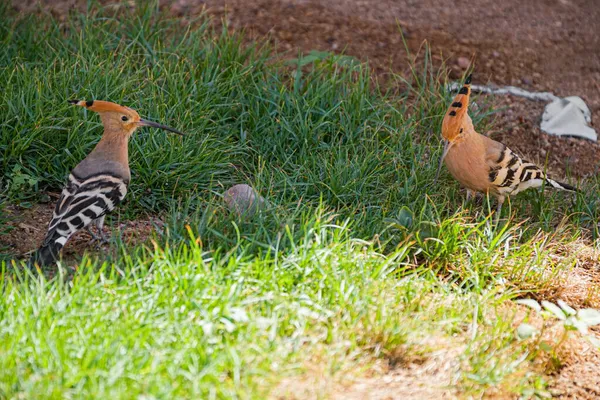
568	117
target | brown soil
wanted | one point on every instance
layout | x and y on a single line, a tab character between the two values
578	377
566	158
30	224
575	377
581	286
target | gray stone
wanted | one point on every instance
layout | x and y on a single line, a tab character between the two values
243	199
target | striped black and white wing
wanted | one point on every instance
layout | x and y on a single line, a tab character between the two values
82	201
510	174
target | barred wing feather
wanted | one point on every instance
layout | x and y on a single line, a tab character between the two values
81	202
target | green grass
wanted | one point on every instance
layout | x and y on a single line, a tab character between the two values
358	257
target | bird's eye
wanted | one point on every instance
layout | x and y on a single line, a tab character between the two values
124	118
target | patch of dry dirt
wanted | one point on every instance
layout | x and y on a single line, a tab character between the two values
578	377
30	225
518	126
430	378
581	286
576	281
575	374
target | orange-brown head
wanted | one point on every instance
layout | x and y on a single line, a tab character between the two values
117	118
457	122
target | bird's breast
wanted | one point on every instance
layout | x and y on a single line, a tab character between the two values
466	162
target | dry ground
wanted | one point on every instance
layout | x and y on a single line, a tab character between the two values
547	45
30	225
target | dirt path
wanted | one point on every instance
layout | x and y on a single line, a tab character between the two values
542	44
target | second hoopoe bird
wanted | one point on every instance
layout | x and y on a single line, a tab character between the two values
98	183
484	165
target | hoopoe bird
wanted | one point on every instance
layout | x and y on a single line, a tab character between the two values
98	183
482	164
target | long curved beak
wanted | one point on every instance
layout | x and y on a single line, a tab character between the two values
144	122
447	146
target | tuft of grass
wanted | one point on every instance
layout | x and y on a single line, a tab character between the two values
180	321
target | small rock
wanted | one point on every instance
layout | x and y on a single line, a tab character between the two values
495	54
27	228
243	199
527	80
463	62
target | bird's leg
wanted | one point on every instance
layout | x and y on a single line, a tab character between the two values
470	194
92	234
100	237
499	209
99	225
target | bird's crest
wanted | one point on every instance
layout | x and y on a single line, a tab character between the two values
457	112
101	106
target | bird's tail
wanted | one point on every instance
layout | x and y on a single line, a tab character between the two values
561	186
48	253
